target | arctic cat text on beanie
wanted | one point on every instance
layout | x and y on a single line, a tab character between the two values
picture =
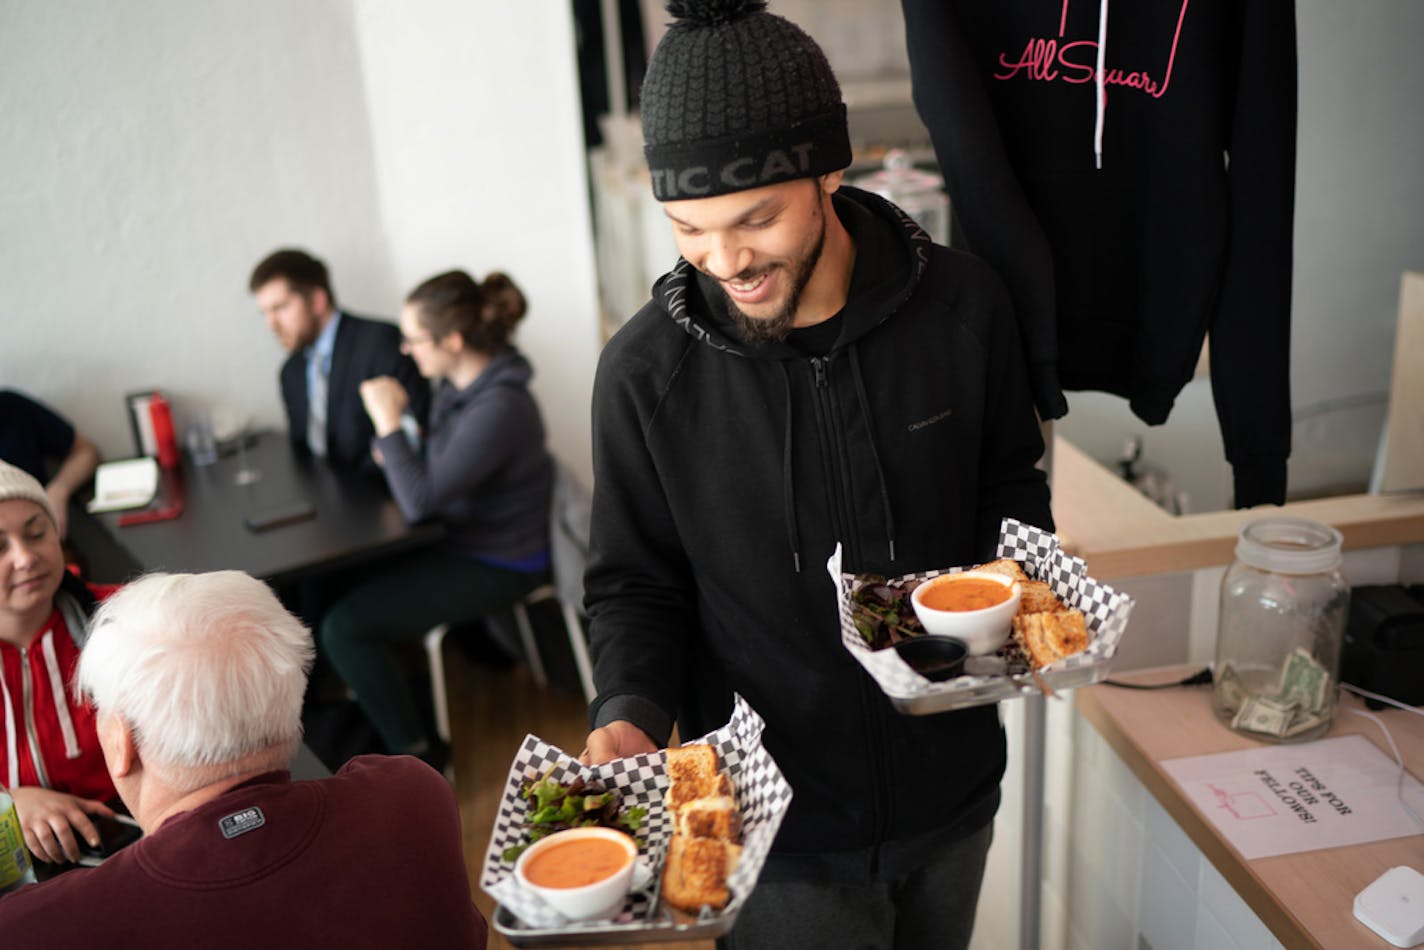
737	98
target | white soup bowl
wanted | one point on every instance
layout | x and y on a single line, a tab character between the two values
983	630
598	900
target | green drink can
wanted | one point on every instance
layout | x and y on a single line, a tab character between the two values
16	869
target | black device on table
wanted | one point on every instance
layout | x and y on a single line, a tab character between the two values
1383	650
265	519
114	834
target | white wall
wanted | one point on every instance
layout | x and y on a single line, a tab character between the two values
153	151
478	142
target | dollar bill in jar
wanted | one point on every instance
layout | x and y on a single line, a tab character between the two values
1284	603
1299	705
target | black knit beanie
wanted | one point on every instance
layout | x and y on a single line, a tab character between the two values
736	98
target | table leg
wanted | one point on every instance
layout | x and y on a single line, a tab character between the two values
1031	853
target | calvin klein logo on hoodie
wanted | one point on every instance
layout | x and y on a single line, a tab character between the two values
1052	59
940	417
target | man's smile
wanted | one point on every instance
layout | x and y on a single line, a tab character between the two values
750	291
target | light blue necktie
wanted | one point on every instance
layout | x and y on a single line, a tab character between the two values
316	408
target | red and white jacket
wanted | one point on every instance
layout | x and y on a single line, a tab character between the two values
50	737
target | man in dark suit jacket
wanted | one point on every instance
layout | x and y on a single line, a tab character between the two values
332	352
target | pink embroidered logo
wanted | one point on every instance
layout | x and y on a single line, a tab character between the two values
1051	59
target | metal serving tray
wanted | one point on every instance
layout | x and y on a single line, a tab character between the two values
1038	552
763	797
661	927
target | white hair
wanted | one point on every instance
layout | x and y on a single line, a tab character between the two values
204	669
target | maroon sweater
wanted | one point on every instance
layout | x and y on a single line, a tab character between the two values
369	857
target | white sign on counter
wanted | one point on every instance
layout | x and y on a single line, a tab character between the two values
1288	798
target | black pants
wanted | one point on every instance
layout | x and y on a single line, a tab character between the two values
398	606
930	908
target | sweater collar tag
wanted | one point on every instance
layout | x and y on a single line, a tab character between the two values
241	822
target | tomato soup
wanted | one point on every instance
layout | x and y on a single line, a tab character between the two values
964	593
576	863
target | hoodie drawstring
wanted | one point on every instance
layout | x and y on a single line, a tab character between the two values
788	491
78	626
61	698
12	747
61	702
874	452
1100	82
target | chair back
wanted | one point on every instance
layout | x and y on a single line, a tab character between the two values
569	516
564	659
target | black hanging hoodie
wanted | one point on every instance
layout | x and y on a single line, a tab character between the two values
1129	169
726	473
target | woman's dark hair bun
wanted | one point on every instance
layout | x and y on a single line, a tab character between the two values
504	302
483	313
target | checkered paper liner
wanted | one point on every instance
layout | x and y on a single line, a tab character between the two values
1039	554
763	796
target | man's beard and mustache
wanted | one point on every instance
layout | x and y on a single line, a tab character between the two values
773	329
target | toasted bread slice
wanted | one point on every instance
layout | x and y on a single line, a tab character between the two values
692	771
1049	636
696	872
710	818
1037	598
696	763
1006	566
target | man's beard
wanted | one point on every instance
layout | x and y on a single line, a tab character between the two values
774	328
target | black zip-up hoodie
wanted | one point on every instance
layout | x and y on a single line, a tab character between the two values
726	473
1134	206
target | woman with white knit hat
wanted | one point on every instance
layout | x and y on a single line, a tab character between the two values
52	764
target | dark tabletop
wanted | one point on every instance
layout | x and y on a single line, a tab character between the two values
352	519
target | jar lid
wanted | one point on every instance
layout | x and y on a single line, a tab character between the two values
899	180
1289	546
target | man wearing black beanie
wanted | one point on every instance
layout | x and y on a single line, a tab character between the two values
813	371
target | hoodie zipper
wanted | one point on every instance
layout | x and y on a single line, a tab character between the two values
834	454
27	704
832	434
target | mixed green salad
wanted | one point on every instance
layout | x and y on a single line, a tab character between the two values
554	806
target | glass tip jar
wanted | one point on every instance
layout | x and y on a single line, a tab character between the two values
1284	604
920	194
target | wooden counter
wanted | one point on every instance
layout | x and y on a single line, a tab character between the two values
1306	899
1105	521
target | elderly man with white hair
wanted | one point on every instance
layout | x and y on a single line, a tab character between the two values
197	681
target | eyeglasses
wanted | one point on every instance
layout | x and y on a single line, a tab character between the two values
411	342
